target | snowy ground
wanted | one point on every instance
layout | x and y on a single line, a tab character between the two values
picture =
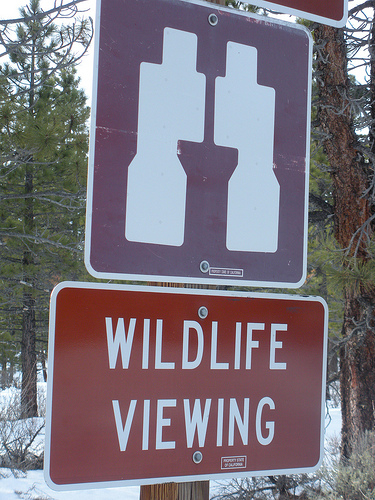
31	486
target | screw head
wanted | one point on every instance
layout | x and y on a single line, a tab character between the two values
197	457
213	19
203	312
204	266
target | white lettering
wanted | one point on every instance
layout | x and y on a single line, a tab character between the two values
146	424
197	421
120	341
250	343
146	343
123	432
269	425
159	364
220	420
186	364
276	344
242	424
215	365
197	415
237	349
163	422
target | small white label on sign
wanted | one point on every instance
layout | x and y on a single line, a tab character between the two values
233	462
222	271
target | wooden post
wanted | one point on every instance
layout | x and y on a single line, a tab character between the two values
197	490
159	491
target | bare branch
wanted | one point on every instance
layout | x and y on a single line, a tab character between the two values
40	241
58	10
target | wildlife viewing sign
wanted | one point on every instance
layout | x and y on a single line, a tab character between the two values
182	384
199	147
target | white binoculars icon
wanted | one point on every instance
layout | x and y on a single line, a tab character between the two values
172	100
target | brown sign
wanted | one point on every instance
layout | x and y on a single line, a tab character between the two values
149	385
200	144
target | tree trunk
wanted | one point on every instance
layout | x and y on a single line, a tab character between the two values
352	228
351	209
3	377
29	404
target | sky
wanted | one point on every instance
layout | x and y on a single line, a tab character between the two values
9	9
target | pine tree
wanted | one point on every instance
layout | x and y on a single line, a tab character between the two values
344	110
43	151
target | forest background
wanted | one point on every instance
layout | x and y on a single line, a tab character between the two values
43	163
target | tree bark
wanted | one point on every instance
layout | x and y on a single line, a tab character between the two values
29	405
352	229
29	398
349	175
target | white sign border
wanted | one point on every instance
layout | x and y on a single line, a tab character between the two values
91	167
181	291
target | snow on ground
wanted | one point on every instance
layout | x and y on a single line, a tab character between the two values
31	486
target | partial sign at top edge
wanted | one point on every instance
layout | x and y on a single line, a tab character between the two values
333	13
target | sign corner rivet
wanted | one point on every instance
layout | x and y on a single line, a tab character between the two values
203	312
204	266
213	19
197	457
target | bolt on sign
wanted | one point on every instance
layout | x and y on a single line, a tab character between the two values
330	12
161	385
199	147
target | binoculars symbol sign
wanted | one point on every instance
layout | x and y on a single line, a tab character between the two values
171	108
